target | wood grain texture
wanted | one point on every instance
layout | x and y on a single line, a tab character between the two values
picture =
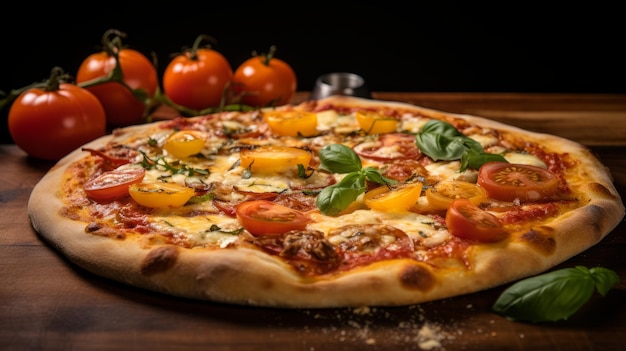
46	303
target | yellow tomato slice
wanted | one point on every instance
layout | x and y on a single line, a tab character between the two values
376	123
292	123
393	200
274	159
185	143
157	195
440	197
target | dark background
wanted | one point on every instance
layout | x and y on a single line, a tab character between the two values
414	47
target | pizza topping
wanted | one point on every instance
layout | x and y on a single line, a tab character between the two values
185	143
359	238
468	221
291	123
156	195
114	156
262	217
442	141
113	185
387	147
524	158
395	199
509	182
338	158
441	195
375	123
274	159
307	251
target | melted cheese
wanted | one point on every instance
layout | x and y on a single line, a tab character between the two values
419	227
516	157
198	229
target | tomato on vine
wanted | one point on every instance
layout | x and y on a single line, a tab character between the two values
264	80
123	79
198	77
49	120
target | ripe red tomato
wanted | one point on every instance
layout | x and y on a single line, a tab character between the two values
48	123
507	182
197	78
468	221
264	80
265	217
122	107
113	185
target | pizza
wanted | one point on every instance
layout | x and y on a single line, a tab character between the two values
338	202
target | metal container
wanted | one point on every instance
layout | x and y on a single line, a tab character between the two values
340	83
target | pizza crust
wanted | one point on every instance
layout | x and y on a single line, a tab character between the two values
250	277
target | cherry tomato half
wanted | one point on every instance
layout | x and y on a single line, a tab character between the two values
185	143
261	217
507	182
265	80
468	221
113	185
292	123
49	124
197	78
157	195
274	158
375	123
440	197
395	200
121	106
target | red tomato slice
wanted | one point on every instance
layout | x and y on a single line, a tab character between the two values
114	184
468	221
261	217
391	146
507	181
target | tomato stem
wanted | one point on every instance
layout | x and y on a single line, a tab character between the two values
112	45
112	42
266	57
196	45
57	76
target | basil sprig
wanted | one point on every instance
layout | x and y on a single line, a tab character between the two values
338	158
442	141
553	296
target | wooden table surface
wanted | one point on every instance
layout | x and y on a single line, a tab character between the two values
47	303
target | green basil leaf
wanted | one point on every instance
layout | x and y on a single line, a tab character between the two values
552	296
440	147
441	128
474	159
373	174
338	158
442	141
604	278
334	199
352	180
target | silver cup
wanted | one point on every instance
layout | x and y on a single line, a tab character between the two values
340	83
